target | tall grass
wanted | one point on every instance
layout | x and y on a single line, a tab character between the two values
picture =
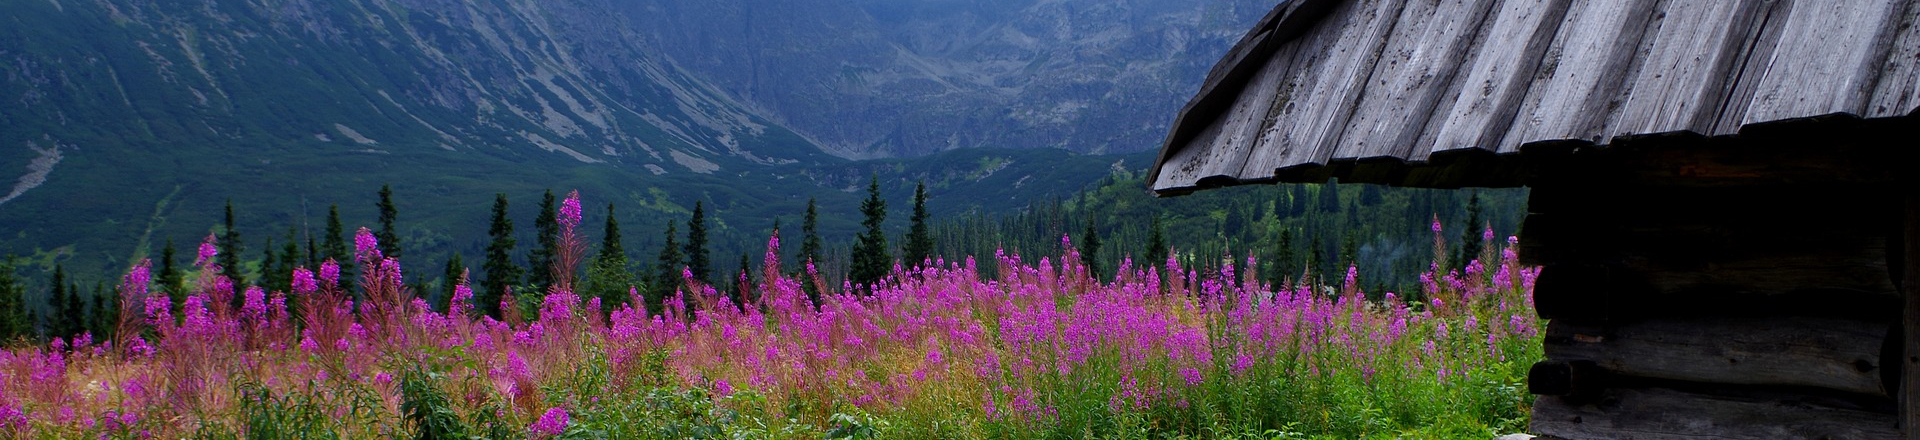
1043	351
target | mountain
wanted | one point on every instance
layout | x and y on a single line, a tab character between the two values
130	122
889	78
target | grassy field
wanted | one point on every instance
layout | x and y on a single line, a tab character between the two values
1043	351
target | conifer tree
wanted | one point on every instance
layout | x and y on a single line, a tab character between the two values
810	229
230	258
546	228
611	273
172	284
268	260
289	259
697	260
1156	244
62	318
871	259
15	320
313	253
1090	250
456	270
335	248
1470	234
388	235
101	318
501	273
1330	198
919	246
666	273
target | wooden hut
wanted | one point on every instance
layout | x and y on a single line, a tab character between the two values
1723	191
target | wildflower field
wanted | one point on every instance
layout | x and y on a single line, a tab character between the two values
1043	350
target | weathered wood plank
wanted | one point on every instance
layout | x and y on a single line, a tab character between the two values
1580	78
1334	60
1758	44
1429	43
1898	92
1493	84
1829	353
1829	60
1185	167
1662	414
1226	150
1681	82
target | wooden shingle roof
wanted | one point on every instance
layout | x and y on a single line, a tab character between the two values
1326	88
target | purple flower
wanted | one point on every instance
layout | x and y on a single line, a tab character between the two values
208	250
551	424
366	248
722	389
254	307
570	211
330	272
303	282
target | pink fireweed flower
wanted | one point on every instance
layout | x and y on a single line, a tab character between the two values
569	215
303	282
722	389
1436	224
365	246
330	272
254	308
550	424
208	249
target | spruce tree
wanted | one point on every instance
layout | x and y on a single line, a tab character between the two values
810	243
666	273
1470	233
268	260
230	258
15	320
388	235
1330	198
335	248
456	269
871	258
1090	250
611	273
172	284
1156	244
919	246
105	312
289	259
697	260
501	273
63	320
546	228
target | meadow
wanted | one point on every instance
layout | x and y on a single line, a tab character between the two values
1043	349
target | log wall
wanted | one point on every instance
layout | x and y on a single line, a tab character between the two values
1693	290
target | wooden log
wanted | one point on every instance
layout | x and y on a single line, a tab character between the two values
1909	394
1661	414
1608	293
1834	354
1577	379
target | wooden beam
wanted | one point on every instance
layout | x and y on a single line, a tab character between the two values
1662	414
1909	395
1833	354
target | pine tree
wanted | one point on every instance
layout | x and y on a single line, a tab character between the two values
172	283
105	312
501	273
230	258
546	228
335	248
1470	234
388	235
268	260
810	250
666	273
871	259
697	260
919	246
15	320
456	270
313	253
289	259
611	273
1090	250
1156	244
1330	198
67	318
